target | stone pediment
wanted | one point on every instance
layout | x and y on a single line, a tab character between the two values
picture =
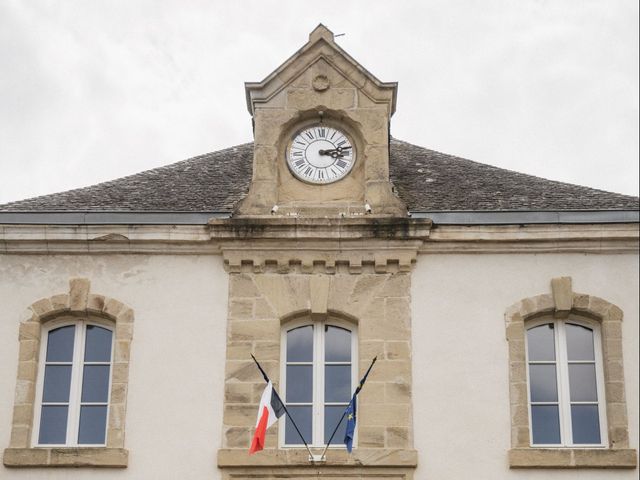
322	55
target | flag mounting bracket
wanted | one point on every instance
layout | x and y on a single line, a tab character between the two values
315	458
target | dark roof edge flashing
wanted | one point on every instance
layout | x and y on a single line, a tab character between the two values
519	217
514	217
109	218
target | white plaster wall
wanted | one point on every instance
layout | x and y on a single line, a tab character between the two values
176	381
460	356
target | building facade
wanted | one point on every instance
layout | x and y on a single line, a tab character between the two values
502	308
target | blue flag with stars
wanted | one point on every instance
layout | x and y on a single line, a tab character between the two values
350	412
351	424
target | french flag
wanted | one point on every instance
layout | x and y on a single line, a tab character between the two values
270	410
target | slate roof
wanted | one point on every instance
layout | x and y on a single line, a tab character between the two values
424	179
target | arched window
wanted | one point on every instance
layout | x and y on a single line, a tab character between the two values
565	380
318	378
73	388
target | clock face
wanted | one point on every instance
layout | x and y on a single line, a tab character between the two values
320	154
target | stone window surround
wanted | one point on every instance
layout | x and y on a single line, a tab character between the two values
260	304
560	304
79	302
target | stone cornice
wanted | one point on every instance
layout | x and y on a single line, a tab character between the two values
366	227
585	238
324	245
367	234
321	257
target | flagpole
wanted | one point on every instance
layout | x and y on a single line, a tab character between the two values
266	379
334	432
358	388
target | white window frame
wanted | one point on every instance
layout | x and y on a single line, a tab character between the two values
562	379
318	375
75	390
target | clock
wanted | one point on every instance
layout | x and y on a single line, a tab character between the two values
320	154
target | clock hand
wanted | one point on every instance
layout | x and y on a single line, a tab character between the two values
335	153
338	150
326	152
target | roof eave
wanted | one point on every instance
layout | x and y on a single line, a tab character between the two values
513	217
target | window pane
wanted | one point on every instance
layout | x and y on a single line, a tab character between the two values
300	344
540	343
299	383
60	344
93	423
57	381
545	425
302	417
53	425
579	342
337	344
98	344
332	415
337	383
582	382
544	387
95	383
585	424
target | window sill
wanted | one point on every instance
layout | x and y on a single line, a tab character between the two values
374	457
572	458
66	457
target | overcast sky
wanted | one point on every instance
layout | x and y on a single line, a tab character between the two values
95	90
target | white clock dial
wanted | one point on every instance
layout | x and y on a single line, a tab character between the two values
320	154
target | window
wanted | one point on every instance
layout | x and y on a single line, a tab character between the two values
566	382
566	389
317	380
74	384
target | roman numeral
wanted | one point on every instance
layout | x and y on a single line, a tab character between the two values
339	144
296	154
322	132
309	134
333	134
308	171
299	163
341	163
320	175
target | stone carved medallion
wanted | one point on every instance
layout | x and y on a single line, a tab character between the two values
320	83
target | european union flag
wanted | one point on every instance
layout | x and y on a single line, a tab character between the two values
350	413
351	423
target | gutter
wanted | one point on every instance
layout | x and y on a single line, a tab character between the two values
109	218
514	217
520	217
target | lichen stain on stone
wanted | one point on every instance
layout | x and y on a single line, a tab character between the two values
246	228
396	228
